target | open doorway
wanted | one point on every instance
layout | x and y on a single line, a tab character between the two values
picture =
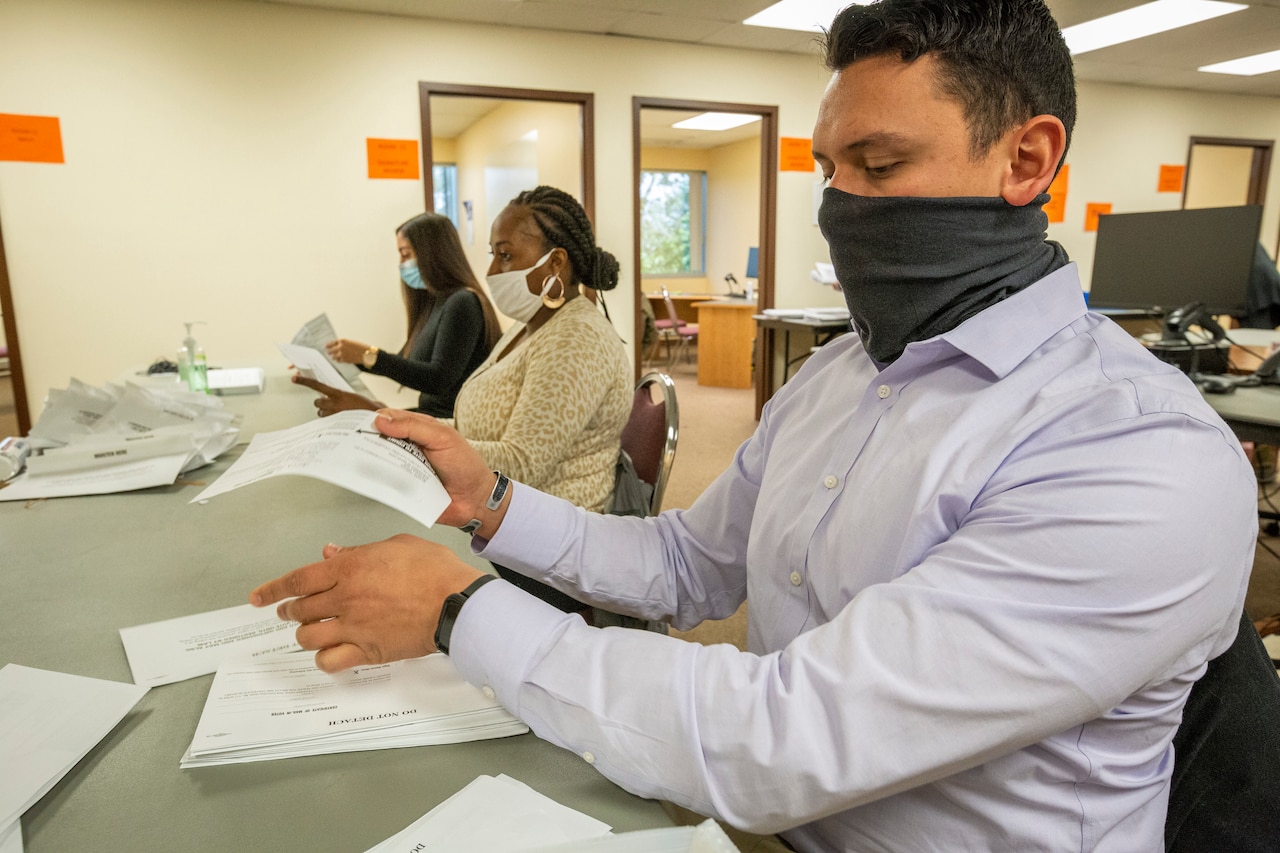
1226	173
481	145
717	189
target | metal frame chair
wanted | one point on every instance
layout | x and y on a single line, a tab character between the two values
677	330
651	433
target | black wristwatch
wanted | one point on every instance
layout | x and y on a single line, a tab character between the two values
494	501
452	607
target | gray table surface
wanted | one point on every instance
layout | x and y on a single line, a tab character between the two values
73	571
1252	413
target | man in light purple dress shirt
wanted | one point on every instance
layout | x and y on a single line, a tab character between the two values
988	541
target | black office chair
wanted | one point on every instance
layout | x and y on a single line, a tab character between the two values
1225	791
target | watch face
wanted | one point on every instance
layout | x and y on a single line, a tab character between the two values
448	613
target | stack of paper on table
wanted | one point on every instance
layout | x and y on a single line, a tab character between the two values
282	706
48	722
95	441
497	815
827	315
502	815
236	380
706	837
178	649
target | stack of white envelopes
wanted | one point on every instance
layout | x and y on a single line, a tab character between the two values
282	706
48	722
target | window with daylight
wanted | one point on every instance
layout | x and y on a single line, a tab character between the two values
444	184
673	215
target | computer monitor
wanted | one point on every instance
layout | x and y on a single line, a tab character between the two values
753	262
1163	260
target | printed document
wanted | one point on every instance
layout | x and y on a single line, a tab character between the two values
182	648
48	722
97	441
346	450
317	332
11	838
281	706
315	364
496	814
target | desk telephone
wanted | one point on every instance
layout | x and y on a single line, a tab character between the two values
1266	372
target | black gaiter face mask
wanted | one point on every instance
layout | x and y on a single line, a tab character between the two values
912	268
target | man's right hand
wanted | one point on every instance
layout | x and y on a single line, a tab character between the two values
464	474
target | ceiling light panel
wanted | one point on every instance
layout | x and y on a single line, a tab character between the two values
1141	21
805	15
716	121
1246	66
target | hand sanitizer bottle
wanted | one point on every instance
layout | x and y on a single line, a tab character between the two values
193	368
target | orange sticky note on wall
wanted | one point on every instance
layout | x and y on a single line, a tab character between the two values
1092	211
393	158
1171	178
795	154
1056	206
31	139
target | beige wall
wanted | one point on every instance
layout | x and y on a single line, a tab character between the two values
496	160
1125	133
216	164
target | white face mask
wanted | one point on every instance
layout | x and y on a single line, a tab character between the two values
510	291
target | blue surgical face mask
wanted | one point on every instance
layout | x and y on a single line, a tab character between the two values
410	275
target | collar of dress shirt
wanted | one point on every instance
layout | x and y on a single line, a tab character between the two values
1002	336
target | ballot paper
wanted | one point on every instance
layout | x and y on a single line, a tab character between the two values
11	838
317	332
823	273
70	412
48	722
283	706
227	381
345	450
124	477
706	837
182	648
496	814
95	441
314	364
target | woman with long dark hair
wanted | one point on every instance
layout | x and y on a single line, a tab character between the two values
451	325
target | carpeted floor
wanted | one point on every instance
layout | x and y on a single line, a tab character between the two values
715	421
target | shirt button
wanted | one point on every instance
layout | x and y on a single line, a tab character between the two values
830	482
883	391
488	692
796	579
589	757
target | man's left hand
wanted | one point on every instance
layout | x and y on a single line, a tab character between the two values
371	603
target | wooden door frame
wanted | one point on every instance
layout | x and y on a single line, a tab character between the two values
1259	169
584	100
11	341
768	217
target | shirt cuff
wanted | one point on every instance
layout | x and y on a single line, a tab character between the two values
532	532
500	635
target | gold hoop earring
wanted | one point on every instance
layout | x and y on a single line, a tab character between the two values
552	302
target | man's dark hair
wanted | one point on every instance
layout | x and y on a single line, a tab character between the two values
1004	61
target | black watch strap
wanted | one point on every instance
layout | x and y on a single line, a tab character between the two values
492	504
452	607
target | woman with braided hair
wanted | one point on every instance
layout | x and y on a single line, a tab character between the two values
548	405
